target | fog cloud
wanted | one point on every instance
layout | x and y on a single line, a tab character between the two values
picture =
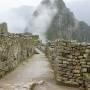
17	18
42	19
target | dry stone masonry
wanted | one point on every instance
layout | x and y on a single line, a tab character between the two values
70	61
3	28
14	48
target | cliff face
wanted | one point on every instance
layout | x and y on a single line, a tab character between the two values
62	22
65	26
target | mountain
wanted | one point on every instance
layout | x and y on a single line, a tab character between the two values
17	18
64	25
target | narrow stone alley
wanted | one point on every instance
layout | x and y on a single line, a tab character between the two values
36	71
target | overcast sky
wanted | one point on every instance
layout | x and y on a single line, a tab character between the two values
74	5
7	4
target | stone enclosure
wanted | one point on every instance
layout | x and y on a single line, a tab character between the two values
14	48
70	61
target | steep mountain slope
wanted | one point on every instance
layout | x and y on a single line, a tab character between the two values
53	20
65	26
17	18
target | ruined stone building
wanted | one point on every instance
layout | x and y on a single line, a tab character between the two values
3	28
14	48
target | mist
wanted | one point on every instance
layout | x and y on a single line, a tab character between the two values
37	19
41	19
25	18
17	18
32	19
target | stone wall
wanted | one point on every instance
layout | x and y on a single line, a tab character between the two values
70	61
15	48
3	28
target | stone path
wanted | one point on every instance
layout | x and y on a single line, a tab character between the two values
33	72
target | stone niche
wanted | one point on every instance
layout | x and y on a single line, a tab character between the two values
3	28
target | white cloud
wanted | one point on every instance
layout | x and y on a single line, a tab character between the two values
69	1
7	4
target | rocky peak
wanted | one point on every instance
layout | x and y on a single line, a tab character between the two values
65	26
59	4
